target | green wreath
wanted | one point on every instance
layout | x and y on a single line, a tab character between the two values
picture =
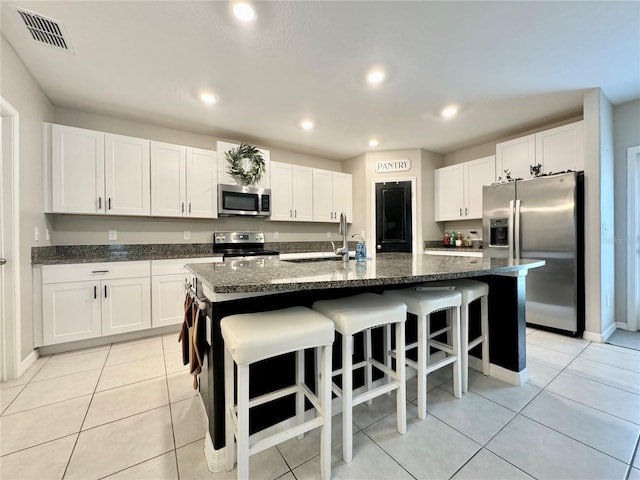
235	158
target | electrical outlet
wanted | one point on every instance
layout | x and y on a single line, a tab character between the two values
276	235
328	234
47	234
187	235
113	234
36	234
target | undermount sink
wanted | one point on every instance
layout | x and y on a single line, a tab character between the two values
316	259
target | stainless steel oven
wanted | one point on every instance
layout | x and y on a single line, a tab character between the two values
244	200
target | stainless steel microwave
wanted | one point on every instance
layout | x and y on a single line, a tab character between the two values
244	200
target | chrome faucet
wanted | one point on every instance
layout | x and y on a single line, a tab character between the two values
343	230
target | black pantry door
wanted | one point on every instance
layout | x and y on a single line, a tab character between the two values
393	217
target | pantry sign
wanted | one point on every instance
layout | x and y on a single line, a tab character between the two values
393	166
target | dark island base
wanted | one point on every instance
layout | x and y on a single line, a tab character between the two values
507	346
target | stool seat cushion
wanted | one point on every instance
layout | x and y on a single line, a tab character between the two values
360	312
251	337
470	289
423	302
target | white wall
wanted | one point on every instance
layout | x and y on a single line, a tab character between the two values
23	93
626	133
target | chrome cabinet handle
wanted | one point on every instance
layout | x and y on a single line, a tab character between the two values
99	203
295	214
461	212
182	207
3	261
109	203
466	212
290	213
99	271
189	207
95	292
105	291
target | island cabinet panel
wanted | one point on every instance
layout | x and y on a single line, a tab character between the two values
458	189
291	192
98	173
332	194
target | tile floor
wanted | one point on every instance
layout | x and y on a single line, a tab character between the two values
128	411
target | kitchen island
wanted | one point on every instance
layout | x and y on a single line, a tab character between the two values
240	286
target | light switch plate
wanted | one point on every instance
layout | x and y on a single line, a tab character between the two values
276	235
47	234
36	234
113	234
328	234
187	235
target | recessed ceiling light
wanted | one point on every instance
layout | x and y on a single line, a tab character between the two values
208	98
375	76
373	142
306	124
450	111
244	11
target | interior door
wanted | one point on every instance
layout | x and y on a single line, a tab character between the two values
393	217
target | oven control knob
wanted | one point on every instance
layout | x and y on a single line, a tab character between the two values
259	237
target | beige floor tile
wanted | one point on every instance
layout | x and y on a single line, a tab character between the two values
26	376
171	345
137	350
487	466
560	343
624	379
173	364
58	366
44	462
192	465
364	415
473	415
540	374
8	395
429	449
121	444
548	356
42	424
604	432
180	386
546	454
163	467
45	392
121	402
131	372
189	421
612	355
369	462
634	474
616	402
511	396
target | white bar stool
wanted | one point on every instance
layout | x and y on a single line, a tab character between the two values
471	290
251	337
422	302
361	313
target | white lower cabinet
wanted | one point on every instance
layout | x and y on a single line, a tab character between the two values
168	278
82	301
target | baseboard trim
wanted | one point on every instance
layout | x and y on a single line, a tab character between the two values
509	376
216	459
600	337
24	365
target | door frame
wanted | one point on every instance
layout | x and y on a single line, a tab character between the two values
633	235
371	233
10	320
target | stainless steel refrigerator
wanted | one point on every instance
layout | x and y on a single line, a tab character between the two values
542	218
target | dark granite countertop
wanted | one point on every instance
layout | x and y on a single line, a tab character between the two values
383	269
63	254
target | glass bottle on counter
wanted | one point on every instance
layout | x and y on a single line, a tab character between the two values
447	239
452	239
458	239
361	249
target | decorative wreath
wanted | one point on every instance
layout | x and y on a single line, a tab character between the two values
236	156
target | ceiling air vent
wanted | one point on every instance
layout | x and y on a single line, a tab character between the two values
45	30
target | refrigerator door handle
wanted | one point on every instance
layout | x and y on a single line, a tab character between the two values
516	229
510	228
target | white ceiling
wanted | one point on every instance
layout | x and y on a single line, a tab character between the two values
509	65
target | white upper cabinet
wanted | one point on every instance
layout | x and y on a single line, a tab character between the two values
458	189
291	192
93	172
183	181
561	148
77	168
332	194
223	166
555	150
516	156
127	179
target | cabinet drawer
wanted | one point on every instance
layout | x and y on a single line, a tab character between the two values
177	265
94	271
